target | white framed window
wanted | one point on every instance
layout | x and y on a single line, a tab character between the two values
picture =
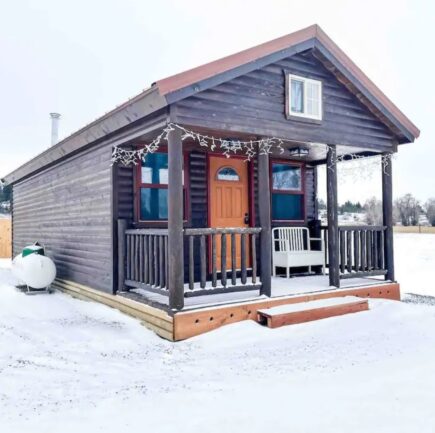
304	97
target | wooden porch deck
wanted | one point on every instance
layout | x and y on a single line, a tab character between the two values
281	287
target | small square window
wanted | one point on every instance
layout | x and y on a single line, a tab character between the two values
304	97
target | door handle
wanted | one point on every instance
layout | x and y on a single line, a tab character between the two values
246	220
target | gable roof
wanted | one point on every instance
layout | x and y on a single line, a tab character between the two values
319	40
168	90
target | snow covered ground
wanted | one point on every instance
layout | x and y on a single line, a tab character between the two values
73	366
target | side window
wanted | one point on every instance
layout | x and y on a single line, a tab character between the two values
287	192
153	188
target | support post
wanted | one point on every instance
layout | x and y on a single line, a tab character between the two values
332	206
387	214
122	227
265	224
175	220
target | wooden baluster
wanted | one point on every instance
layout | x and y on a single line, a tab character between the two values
369	249
145	259
356	235
224	259
150	260
191	263
349	250
243	258
363	251
203	261
166	261
381	250
233	260
254	258
128	258
161	264
132	245
156	262
122	242
342	239
375	249
213	261
140	258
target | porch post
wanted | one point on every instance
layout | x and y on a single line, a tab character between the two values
175	220
332	205
387	214
265	224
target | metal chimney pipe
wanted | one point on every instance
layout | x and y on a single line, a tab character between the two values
54	127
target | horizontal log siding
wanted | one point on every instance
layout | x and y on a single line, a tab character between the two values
255	103
67	208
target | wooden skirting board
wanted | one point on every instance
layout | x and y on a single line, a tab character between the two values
190	323
153	318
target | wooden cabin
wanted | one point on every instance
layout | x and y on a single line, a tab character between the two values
183	239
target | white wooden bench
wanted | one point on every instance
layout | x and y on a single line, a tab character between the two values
292	249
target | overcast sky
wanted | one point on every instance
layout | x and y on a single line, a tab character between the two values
82	58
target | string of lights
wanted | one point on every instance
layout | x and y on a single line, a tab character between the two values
249	149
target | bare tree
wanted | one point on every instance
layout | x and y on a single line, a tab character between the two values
373	211
408	209
430	211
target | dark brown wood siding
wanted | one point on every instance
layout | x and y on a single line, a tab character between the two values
67	208
255	103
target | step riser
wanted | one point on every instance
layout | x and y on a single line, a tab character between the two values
277	321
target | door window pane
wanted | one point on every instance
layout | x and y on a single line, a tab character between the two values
227	173
297	96
153	204
286	177
287	207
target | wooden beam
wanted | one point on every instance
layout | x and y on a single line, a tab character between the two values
332	205
175	220
265	224
387	214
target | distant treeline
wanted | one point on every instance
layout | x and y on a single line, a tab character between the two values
408	210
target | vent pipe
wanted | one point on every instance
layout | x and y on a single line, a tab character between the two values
54	128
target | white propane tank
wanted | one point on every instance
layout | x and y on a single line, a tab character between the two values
35	270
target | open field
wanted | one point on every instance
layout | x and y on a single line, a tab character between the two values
414	229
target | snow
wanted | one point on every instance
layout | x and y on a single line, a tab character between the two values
69	365
302	306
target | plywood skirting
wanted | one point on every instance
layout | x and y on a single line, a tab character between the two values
190	323
153	318
5	238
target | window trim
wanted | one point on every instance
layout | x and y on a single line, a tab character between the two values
138	185
301	192
303	116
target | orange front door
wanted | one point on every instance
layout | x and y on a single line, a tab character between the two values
229	201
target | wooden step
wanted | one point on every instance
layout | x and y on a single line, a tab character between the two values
301	312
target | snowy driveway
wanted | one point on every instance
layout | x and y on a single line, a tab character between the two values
73	366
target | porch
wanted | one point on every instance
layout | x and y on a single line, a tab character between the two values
176	264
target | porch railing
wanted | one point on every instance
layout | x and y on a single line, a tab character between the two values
216	259
238	246
146	259
361	250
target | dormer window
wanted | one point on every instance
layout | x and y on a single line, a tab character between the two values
304	97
